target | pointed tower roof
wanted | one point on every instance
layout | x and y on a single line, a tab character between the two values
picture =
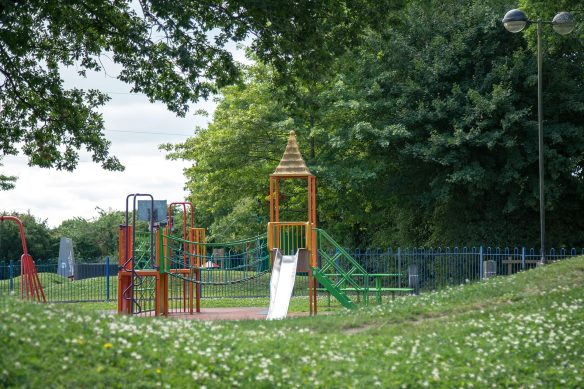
292	163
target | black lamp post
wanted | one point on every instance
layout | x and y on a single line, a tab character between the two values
563	23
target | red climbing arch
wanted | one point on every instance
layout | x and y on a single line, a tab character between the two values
30	285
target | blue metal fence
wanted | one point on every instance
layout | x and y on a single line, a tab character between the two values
436	268
423	268
92	281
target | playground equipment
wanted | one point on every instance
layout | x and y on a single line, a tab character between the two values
162	272
137	275
144	286
326	262
291	236
160	269
282	283
30	285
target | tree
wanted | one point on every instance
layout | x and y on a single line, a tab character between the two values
79	230
243	221
445	103
6	182
39	241
235	154
172	51
95	238
423	134
104	230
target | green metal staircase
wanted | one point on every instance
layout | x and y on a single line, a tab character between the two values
338	272
332	289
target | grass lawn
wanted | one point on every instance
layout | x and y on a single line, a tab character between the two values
523	330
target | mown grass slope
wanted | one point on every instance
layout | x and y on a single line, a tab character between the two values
520	331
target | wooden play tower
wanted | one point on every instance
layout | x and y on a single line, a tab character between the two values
295	234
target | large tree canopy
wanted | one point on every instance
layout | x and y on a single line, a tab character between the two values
447	104
235	154
425	133
172	51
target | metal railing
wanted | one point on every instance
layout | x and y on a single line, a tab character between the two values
437	268
227	270
92	281
428	268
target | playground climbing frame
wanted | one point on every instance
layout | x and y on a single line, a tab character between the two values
30	285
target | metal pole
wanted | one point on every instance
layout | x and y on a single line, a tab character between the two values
11	275
399	267
481	263
107	279
540	132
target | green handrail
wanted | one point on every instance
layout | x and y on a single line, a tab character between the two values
322	234
350	275
222	244
339	294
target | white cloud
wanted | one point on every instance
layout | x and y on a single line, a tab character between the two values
58	195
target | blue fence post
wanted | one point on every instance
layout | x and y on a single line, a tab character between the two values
107	279
523	259
481	263
399	267
11	275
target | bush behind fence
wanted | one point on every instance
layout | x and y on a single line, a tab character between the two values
429	268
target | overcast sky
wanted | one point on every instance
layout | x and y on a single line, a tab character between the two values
135	128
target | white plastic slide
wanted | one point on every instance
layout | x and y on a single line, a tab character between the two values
281	284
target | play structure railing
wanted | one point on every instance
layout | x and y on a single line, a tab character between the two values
233	269
288	237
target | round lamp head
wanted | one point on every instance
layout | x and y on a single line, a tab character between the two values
515	20
563	23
